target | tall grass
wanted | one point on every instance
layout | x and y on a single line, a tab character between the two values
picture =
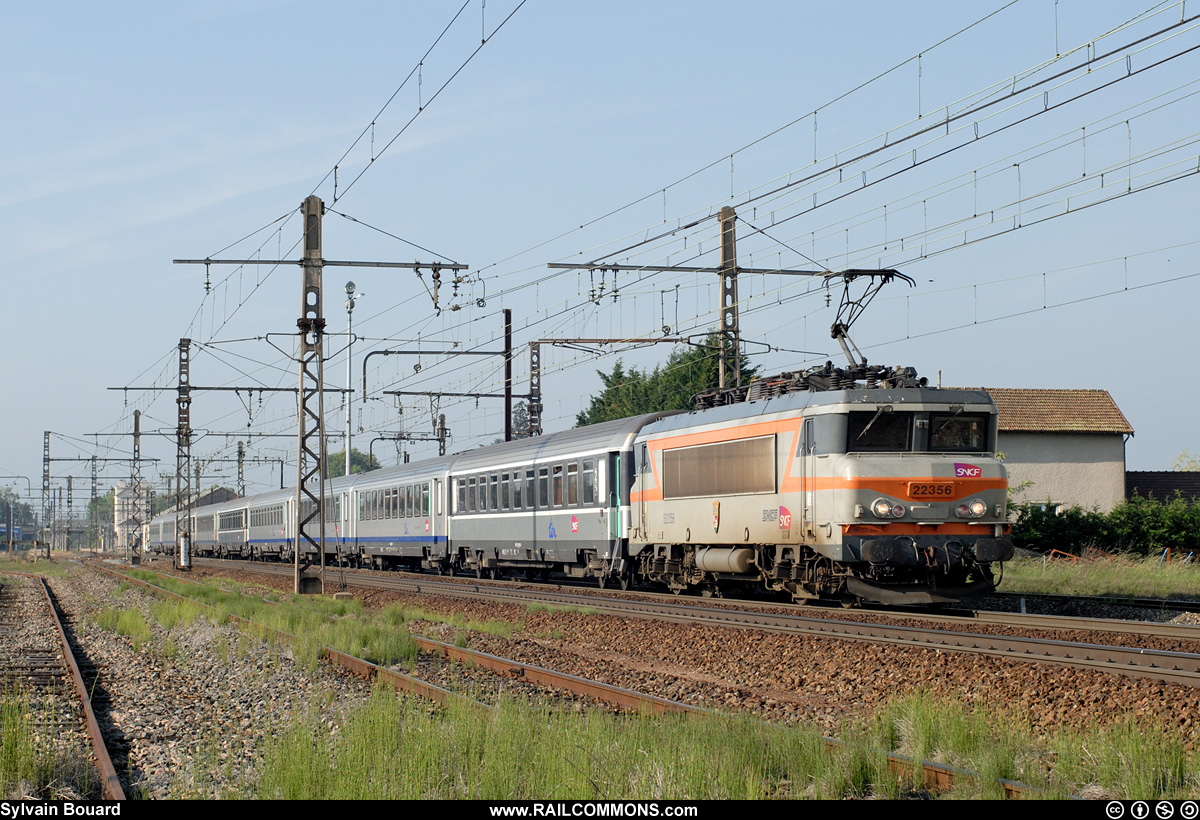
34	765
1121	575
392	748
128	622
397	749
316	621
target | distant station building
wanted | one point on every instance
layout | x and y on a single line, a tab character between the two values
1068	444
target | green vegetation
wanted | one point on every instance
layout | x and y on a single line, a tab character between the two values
688	371
360	462
397	748
397	615
128	622
1122	575
315	620
1140	525
51	569
34	766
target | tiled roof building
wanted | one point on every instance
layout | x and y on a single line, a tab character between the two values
1058	411
1066	446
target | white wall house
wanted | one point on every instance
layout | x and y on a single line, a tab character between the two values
1069	445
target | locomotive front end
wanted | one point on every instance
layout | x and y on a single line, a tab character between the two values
919	498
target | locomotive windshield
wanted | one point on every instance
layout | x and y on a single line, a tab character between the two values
884	431
958	432
880	431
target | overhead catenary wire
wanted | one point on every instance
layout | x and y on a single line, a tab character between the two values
562	312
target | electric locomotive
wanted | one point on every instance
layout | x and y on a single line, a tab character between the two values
889	493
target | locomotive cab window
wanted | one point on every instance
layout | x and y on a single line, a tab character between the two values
880	430
958	432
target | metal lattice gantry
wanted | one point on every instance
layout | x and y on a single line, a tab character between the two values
310	410
183	458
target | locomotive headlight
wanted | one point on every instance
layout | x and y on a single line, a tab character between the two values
975	509
882	508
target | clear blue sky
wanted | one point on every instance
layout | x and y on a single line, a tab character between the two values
137	133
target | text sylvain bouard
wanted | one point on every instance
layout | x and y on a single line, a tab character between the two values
64	809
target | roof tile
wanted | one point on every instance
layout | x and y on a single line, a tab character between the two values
1033	410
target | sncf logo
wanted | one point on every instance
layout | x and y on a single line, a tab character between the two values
967	471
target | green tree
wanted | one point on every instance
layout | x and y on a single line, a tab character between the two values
671	386
100	508
520	423
22	514
360	462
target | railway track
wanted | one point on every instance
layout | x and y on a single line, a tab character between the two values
1062	601
1180	667
38	664
935	776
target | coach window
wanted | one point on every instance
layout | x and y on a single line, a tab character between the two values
494	487
462	495
424	499
518	498
504	491
558	485
589	482
543	499
471	494
573	484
